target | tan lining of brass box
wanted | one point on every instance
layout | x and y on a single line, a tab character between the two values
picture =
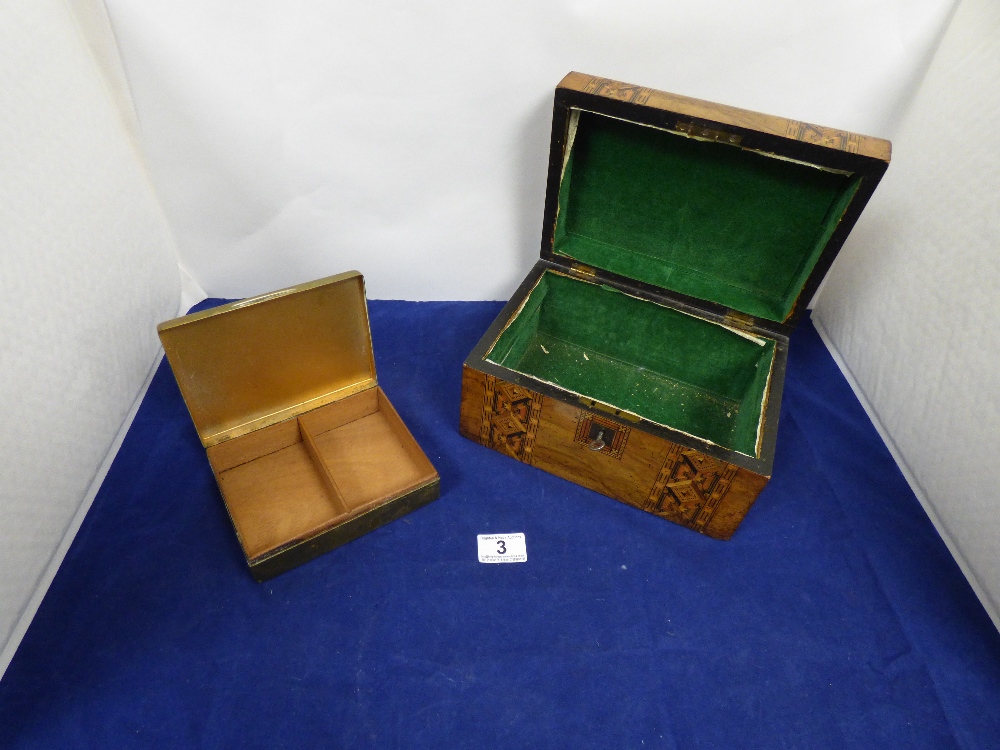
291	481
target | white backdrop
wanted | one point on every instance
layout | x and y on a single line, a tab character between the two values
87	269
912	303
408	138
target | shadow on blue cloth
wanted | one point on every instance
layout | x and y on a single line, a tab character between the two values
835	618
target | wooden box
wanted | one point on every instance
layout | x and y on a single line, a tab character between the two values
643	356
306	448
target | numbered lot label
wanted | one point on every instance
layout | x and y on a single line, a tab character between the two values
502	548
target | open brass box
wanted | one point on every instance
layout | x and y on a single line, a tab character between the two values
306	448
644	354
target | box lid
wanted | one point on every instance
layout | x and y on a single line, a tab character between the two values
259	361
736	209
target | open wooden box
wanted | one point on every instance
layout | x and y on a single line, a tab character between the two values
307	450
644	354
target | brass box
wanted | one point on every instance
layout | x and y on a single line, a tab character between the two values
306	448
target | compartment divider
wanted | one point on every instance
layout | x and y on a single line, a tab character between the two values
324	471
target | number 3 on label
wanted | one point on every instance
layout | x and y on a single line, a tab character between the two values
501	548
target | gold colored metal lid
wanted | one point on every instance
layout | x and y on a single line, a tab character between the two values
253	363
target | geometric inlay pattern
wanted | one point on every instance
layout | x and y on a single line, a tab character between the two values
510	418
690	487
839	139
623	92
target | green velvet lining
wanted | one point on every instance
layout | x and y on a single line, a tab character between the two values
706	219
671	368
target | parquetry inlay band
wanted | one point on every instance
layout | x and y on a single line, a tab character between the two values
623	92
510	418
840	139
690	487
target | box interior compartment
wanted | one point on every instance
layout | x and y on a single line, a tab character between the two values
707	219
293	480
674	369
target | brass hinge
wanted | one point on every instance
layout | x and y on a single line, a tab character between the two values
582	270
738	320
709	134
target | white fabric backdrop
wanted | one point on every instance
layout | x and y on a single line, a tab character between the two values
87	268
911	304
408	138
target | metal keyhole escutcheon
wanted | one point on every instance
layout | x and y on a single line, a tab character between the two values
598	442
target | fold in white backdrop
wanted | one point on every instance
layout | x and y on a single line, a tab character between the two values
912	303
87	269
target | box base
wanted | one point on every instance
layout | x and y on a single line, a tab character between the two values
666	479
304	486
266	568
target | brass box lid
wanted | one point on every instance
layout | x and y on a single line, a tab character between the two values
262	360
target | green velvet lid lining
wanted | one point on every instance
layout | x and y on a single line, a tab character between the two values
706	219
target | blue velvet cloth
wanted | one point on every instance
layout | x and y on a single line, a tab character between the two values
835	618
